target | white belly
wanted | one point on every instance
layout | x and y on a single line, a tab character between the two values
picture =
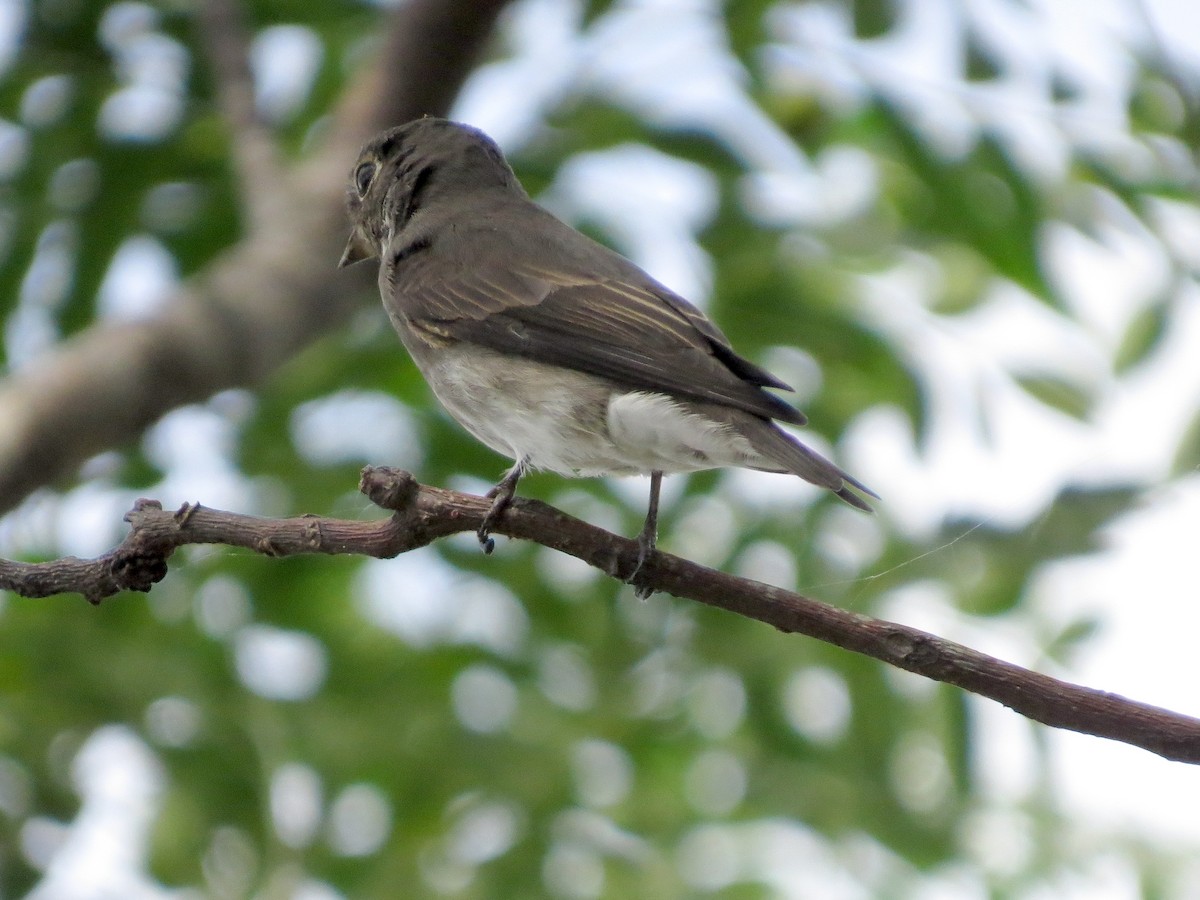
576	424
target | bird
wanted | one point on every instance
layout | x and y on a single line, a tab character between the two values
549	347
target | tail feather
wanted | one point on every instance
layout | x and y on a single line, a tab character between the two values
780	447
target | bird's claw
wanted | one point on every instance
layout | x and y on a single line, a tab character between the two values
647	540
486	541
646	544
502	498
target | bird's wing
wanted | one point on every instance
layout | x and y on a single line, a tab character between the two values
629	329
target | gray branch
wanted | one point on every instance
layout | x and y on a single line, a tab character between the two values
424	514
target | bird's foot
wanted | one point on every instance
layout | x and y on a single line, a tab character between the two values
500	503
647	540
501	496
646	544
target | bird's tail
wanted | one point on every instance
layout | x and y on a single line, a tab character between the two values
780	447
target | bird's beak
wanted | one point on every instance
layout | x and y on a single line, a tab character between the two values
357	249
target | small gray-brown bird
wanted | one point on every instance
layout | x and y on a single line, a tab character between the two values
547	346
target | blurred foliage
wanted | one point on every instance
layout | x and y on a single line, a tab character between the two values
531	729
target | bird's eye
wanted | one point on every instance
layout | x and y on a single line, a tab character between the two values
363	176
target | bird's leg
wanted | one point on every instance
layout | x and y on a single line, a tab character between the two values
648	538
501	496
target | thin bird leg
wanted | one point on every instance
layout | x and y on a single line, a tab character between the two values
648	538
501	496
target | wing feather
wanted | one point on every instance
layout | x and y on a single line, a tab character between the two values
619	324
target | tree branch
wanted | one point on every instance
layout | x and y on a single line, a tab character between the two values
226	40
423	514
251	309
437	37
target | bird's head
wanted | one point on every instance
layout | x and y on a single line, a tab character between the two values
403	170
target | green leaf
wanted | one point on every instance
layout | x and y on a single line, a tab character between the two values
1069	641
1143	335
1058	393
1187	454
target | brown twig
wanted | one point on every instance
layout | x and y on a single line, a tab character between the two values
423	514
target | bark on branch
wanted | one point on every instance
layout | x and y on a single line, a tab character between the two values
422	514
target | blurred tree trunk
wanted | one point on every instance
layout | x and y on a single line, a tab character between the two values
237	321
